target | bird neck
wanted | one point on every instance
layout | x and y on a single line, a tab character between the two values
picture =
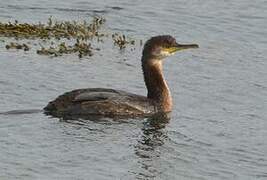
156	85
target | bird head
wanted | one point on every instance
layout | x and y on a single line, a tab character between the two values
160	47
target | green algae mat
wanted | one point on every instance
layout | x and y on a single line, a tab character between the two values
63	37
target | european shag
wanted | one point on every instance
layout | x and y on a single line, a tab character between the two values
110	103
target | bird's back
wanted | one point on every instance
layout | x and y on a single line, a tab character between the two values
100	101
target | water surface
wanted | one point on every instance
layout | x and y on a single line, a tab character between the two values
218	127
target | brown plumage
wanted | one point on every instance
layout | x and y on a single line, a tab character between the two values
109	102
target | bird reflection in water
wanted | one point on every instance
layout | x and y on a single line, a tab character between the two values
147	148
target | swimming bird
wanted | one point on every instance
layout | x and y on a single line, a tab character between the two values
110	102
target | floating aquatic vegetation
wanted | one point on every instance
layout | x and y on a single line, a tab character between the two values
121	40
13	45
60	34
53	29
82	48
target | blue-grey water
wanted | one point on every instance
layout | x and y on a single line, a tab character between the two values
218	126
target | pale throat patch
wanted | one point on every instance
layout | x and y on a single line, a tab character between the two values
166	53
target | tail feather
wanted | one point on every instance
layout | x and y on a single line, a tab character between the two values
24	111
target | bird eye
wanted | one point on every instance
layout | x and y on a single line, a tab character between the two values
167	45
